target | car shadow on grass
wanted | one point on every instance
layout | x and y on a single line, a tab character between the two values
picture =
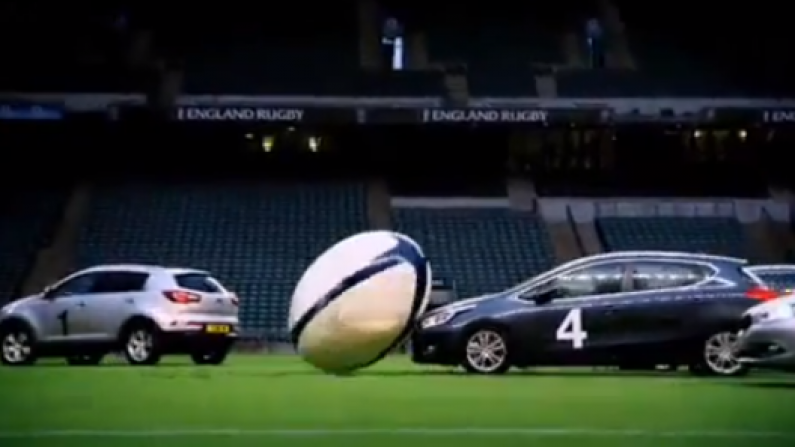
777	385
112	365
533	373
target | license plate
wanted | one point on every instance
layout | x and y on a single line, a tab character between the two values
218	329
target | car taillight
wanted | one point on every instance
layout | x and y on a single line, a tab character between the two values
762	294
182	297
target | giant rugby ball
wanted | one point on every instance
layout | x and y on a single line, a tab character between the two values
358	300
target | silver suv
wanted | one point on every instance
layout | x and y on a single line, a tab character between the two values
144	311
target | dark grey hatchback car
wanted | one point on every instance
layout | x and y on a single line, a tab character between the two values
633	309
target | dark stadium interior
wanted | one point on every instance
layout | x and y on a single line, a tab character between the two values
505	137
221	202
337	51
245	198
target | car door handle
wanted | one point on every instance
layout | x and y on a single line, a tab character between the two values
81	304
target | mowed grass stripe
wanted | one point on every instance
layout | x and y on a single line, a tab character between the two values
537	432
257	398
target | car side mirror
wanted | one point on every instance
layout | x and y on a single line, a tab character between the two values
541	297
47	292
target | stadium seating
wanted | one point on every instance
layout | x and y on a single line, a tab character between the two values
613	83
500	56
28	222
257	239
239	53
482	250
677	58
698	60
702	234
397	83
73	51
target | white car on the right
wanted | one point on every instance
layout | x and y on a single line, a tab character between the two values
767	335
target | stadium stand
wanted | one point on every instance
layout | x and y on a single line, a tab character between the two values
607	83
501	58
256	238
693	62
240	56
699	234
672	64
85	51
468	245
398	83
28	221
239	53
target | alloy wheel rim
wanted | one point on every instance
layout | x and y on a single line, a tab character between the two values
139	345
719	353
486	351
16	347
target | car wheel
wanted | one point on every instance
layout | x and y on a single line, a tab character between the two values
85	360
717	357
211	356
141	344
486	352
17	345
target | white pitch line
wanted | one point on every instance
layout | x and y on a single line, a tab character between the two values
539	432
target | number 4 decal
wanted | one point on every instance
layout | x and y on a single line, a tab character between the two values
571	329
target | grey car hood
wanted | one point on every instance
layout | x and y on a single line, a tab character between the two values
9	308
467	303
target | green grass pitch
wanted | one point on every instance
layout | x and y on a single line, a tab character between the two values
270	401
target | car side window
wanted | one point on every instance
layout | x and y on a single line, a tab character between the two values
119	282
200	282
665	275
77	285
594	280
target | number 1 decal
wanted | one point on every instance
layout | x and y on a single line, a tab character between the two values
570	329
63	317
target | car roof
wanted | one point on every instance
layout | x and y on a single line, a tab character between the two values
643	254
142	268
772	268
628	256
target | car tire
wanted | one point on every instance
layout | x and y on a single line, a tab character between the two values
716	358
486	351
210	356
141	344
85	360
17	345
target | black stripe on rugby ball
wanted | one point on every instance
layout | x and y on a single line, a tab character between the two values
403	252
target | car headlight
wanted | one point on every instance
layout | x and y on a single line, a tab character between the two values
437	319
441	317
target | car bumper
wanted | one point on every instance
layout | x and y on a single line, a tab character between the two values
769	344
436	347
196	340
